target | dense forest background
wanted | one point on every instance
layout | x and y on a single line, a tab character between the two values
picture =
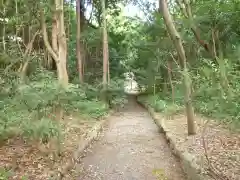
33	49
47	40
62	57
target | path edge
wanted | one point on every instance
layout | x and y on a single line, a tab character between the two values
187	160
86	141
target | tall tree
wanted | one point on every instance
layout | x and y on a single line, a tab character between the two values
60	56
105	48
174	35
78	48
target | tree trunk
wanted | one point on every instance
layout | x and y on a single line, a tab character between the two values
169	65
60	57
78	48
108	72
54	33
105	48
26	57
62	42
4	30
181	53
49	64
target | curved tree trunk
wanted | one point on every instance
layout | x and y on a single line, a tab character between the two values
181	53
60	57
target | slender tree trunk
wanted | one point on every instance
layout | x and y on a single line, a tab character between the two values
108	73
78	49
49	64
4	29
83	61
169	65
54	38
26	57
105	48
181	53
54	32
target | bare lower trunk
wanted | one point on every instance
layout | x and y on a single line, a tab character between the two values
54	32
49	61
108	74
181	53
58	50
83	61
62	51
170	79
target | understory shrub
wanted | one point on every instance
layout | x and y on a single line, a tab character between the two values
30	109
116	93
161	105
209	96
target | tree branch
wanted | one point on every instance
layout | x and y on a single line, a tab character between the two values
187	12
45	38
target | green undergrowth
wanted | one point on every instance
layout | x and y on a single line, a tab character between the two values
160	105
160	174
225	111
27	109
6	174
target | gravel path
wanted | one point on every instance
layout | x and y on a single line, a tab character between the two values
130	148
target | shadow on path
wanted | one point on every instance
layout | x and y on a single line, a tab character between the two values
130	148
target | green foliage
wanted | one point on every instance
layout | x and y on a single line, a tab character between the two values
43	129
143	48
159	104
93	108
215	82
210	96
160	174
4	174
215	99
116	93
28	112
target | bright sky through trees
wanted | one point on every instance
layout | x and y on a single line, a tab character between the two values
138	9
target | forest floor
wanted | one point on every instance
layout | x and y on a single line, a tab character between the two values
212	139
129	148
24	159
212	153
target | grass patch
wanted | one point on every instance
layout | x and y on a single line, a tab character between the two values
224	111
160	105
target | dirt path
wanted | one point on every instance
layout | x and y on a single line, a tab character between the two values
130	148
